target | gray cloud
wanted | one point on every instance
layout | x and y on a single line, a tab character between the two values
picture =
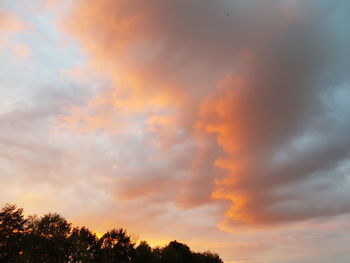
276	116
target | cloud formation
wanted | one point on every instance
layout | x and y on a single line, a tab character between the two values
262	80
193	119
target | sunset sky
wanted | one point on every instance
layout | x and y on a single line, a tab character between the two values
224	124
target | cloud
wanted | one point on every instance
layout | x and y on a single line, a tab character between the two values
22	50
10	24
191	120
248	89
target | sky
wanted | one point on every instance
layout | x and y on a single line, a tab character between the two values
222	124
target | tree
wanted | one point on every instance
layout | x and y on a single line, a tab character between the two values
50	239
176	252
116	246
207	257
12	224
144	254
47	239
82	245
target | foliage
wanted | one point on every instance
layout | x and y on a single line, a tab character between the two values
51	239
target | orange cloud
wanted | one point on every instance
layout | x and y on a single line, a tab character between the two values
22	50
221	94
11	22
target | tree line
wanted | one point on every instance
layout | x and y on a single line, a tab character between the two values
51	239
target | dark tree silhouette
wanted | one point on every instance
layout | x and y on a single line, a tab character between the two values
12	225
51	239
176	252
82	245
116	246
207	257
47	239
144	254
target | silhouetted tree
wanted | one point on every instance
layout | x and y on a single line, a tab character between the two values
50	239
116	246
144	254
176	252
12	224
47	239
82	245
157	252
207	257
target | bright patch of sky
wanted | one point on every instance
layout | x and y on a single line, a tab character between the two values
35	57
